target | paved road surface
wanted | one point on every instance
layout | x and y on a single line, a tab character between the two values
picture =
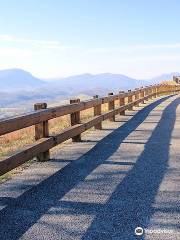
117	179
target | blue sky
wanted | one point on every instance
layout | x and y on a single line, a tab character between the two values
52	38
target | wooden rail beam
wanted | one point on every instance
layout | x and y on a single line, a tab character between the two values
44	142
32	118
39	118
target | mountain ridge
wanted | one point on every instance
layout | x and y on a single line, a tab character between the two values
16	79
19	87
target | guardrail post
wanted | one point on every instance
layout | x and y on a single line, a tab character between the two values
158	91
146	93
97	112
155	92
165	89
130	100
75	119
121	102
42	131
176	89
170	90
161	90
111	106
142	94
137	96
150	92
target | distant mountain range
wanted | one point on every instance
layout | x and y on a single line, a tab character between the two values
18	87
99	83
15	79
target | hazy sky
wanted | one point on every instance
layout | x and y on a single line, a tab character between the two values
51	38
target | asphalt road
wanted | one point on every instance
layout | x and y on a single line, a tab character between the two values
117	179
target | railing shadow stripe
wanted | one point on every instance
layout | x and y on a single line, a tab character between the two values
23	212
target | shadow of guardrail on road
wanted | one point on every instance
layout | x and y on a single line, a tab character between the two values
130	205
140	183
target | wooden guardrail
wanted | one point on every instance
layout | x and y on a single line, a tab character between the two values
41	114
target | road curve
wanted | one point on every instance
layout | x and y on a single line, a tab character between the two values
117	179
